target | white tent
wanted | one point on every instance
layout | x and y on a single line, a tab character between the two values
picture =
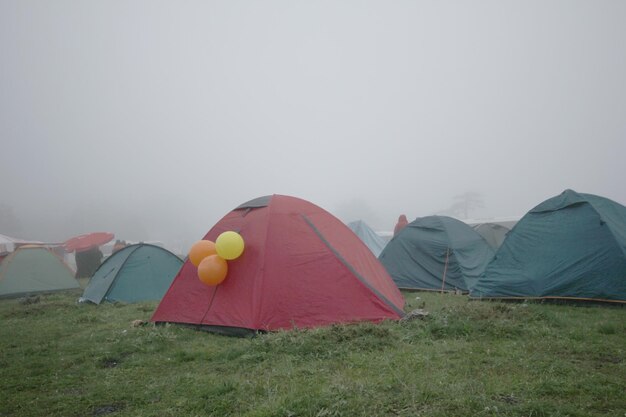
7	243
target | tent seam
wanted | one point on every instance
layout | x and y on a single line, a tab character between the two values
116	274
363	281
263	260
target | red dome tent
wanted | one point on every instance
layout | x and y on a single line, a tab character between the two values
301	267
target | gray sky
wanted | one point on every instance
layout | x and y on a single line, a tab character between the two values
153	119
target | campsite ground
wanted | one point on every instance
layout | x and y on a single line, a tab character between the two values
468	358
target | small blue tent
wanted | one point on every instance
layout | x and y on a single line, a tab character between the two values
436	253
140	272
374	242
570	246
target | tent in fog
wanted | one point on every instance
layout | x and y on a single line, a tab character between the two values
493	233
301	267
135	273
570	246
374	242
436	253
34	269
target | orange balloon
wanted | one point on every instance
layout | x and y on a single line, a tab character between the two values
200	250
212	270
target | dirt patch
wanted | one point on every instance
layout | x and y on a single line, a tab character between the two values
507	398
108	362
106	409
610	359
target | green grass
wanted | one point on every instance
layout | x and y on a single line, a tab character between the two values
468	358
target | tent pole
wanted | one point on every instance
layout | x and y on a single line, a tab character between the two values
445	269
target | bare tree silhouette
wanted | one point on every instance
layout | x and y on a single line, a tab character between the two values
466	203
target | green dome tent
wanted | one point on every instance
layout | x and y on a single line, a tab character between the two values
570	246
140	272
436	253
34	269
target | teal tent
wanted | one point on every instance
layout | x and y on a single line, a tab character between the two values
34	269
436	253
375	243
570	246
135	273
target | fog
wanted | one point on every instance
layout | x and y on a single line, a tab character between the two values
153	119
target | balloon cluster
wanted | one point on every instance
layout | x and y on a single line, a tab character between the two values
210	257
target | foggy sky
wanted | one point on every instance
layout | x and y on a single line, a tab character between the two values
153	119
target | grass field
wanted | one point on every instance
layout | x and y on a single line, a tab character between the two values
468	358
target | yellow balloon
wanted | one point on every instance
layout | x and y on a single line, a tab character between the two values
229	245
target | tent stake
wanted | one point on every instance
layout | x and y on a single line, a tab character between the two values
445	269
